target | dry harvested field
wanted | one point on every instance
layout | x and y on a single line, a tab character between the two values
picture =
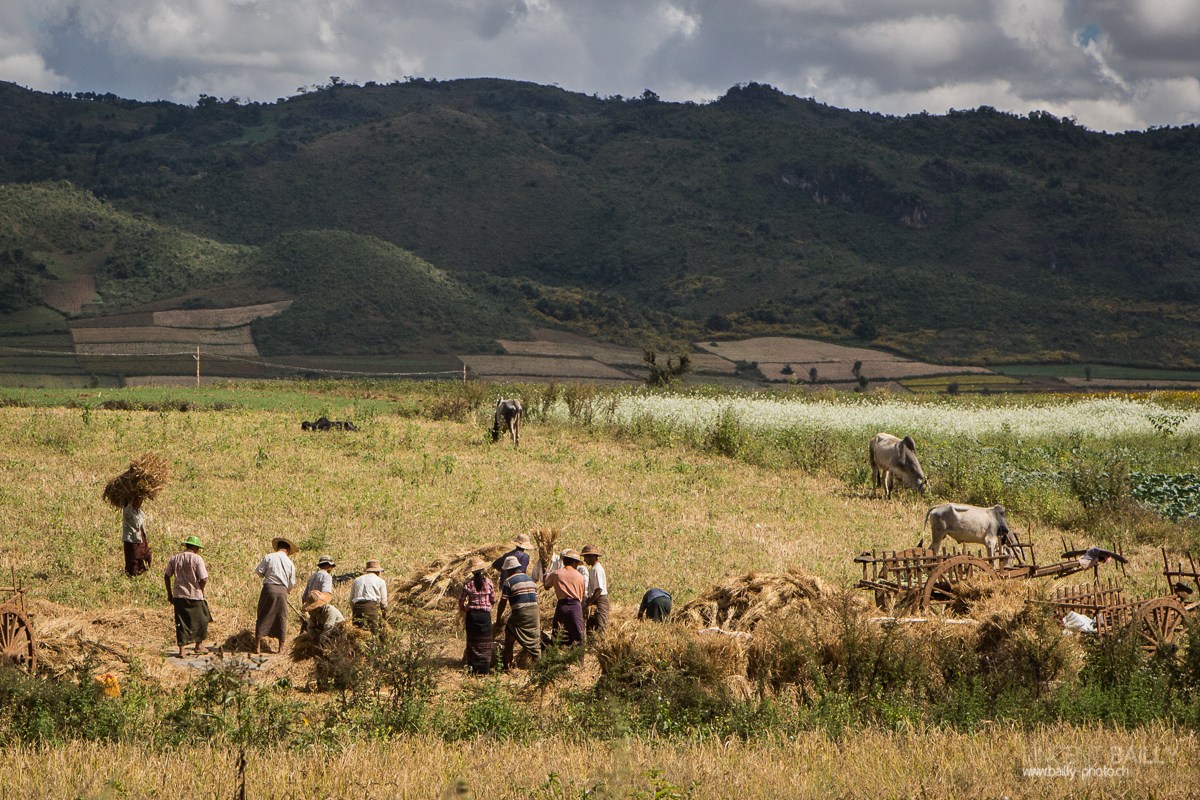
778	349
219	317
408	489
70	296
161	348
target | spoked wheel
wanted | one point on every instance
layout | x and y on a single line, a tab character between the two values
943	589
17	645
1158	625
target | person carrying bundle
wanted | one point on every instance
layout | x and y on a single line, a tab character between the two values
518	591
279	576
146	477
187	596
133	539
569	587
478	596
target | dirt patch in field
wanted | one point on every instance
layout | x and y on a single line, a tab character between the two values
544	367
162	334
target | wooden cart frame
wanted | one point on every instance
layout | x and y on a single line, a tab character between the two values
18	645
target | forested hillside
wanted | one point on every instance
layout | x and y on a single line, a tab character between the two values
974	236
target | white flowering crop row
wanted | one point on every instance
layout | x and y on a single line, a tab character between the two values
1100	418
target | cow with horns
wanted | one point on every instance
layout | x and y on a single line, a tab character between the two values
508	420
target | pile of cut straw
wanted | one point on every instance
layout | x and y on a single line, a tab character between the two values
145	478
344	639
440	582
546	540
742	603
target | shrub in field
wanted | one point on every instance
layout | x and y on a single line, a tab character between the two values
40	710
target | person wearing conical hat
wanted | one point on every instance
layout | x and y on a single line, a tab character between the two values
570	588
596	607
475	601
368	597
520	546
322	614
187	595
279	576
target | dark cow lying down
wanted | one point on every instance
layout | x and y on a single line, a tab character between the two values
324	424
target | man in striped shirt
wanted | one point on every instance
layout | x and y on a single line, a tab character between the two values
518	591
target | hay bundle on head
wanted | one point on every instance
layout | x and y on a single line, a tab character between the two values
546	540
440	582
145	478
742	603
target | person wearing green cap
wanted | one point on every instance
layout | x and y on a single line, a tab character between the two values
187	596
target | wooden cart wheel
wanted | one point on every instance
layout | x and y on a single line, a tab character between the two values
1157	625
890	600
17	645
941	590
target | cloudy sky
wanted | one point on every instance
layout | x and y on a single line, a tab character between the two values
1113	64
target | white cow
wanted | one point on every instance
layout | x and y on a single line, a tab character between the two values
508	420
890	457
971	525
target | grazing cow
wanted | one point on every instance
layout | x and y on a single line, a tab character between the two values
890	457
508	420
971	525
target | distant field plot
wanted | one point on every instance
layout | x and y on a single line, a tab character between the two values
1099	371
160	348
778	349
46	341
707	362
159	334
582	348
10	380
543	367
420	364
967	383
32	320
872	370
70	296
147	364
219	317
53	365
1114	383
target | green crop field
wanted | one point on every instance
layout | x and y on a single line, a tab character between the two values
1099	371
684	490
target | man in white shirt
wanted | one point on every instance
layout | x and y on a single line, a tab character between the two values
279	576
597	604
368	597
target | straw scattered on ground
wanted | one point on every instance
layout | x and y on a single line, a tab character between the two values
145	478
742	603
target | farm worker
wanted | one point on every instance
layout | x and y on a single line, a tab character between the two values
569	587
322	579
477	598
520	545
368	597
519	592
187	596
133	538
279	576
656	604
322	616
597	606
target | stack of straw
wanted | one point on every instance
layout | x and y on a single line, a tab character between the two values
547	542
344	639
742	603
145	478
439	583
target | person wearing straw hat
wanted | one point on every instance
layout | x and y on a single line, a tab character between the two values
569	587
279	576
596	607
476	601
322	615
520	545
187	595
368	597
322	579
519	592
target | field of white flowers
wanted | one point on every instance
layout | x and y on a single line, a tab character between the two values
1099	418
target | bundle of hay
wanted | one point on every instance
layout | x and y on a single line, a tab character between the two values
145	478
639	652
742	603
240	642
546	540
439	583
344	639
